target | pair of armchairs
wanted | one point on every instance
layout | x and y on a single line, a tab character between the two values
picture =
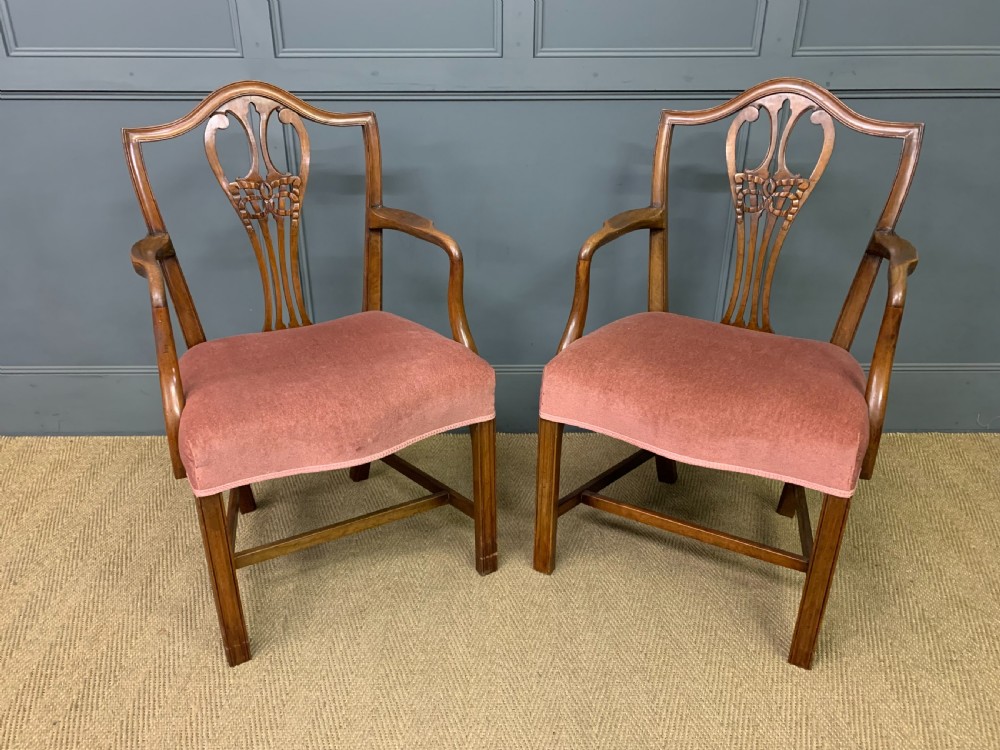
302	397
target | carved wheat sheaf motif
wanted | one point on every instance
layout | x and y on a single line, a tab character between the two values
766	200
755	194
264	199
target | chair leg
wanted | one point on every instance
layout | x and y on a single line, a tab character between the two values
791	496
819	577
547	494
359	473
666	469
218	553
484	494
244	496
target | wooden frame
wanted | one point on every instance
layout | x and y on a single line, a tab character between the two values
772	197
264	195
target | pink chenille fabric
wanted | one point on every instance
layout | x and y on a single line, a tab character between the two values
325	396
717	396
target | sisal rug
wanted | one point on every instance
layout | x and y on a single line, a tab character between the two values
389	639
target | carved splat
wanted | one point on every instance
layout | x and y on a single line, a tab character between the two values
269	203
767	199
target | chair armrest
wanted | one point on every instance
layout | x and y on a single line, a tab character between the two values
902	257
650	217
382	217
147	254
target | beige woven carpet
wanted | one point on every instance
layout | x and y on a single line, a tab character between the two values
108	634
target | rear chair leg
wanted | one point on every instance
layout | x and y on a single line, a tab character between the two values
484	494
666	469
819	577
244	496
219	554
547	494
359	473
791	496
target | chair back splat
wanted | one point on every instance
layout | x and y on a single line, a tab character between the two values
260	198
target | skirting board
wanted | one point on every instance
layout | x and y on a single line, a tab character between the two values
959	397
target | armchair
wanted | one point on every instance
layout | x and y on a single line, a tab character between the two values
733	395
301	396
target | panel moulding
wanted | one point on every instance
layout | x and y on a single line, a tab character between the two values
13	49
929	50
751	49
510	95
282	50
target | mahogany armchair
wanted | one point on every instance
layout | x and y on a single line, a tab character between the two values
302	397
733	395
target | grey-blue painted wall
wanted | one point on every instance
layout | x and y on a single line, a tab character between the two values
518	127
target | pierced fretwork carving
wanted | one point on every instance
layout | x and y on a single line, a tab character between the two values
265	199
767	199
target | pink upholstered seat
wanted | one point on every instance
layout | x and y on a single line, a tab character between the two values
718	396
325	396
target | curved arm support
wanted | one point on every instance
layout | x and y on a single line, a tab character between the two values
650	217
902	257
381	217
147	254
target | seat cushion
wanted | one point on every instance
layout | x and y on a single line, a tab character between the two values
325	396
718	396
